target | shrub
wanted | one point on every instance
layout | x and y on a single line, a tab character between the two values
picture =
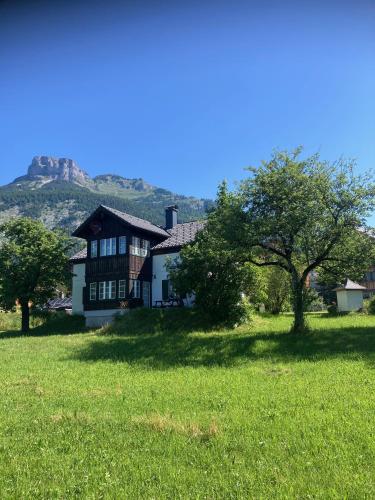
312	301
369	305
332	309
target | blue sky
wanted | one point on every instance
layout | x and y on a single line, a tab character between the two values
184	94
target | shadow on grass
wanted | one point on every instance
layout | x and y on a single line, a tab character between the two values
59	325
167	349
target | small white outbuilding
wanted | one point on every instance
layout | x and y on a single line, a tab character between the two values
349	296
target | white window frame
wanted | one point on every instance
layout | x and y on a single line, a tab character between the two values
135	289
121	289
108	247
122	243
94	249
102	290
93	288
145	248
140	247
111	289
107	290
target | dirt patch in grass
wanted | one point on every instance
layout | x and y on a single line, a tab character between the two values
166	423
278	371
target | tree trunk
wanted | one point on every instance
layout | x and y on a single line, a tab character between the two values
299	319
25	314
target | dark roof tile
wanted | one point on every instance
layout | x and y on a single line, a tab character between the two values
181	234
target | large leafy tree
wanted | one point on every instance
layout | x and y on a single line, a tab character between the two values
210	269
33	262
303	215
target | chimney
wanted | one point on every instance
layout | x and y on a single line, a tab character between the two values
171	216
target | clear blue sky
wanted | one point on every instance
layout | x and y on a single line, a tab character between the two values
184	94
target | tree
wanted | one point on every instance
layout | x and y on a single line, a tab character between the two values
209	268
33	262
303	215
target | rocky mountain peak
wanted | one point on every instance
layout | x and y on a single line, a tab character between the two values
63	169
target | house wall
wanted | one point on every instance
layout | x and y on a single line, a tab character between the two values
355	300
98	318
78	285
116	267
160	273
369	282
349	300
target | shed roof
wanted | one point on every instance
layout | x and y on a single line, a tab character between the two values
350	285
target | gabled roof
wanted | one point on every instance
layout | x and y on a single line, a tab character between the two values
133	221
180	235
81	255
350	285
65	303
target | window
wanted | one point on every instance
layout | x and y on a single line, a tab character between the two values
92	291
140	247
122	245
121	289
146	293
135	289
94	249
107	247
145	248
107	290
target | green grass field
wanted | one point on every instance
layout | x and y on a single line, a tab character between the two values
153	408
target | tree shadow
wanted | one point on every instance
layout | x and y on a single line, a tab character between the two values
61	325
164	351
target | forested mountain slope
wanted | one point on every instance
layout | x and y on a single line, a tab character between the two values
61	194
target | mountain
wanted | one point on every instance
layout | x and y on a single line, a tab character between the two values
61	194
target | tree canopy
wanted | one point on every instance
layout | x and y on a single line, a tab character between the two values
33	262
303	215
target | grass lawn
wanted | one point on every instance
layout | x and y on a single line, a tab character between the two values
165	411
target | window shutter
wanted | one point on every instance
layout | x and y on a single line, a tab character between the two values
165	289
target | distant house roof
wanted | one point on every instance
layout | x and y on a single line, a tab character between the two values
129	219
65	303
180	235
350	285
82	254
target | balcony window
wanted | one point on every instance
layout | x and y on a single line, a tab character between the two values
94	249
107	247
122	245
140	247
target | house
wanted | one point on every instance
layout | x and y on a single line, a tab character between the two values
124	263
369	283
